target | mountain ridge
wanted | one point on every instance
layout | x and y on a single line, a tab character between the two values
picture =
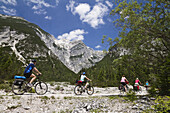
18	33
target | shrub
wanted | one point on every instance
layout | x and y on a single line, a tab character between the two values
162	104
131	95
57	88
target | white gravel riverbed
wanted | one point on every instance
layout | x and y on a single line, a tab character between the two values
60	98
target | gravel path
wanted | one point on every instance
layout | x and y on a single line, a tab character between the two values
61	98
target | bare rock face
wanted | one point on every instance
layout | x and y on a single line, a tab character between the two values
73	54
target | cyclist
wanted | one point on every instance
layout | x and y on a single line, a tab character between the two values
147	85
28	72
137	82
82	79
123	81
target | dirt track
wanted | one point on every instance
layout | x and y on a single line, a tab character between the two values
61	98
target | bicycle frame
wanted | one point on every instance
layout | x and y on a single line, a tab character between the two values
38	85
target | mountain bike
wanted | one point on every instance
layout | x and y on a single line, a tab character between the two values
19	86
135	89
79	88
122	88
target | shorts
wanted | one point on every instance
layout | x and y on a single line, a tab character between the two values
123	83
27	75
136	84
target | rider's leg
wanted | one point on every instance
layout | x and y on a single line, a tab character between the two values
125	87
33	78
86	85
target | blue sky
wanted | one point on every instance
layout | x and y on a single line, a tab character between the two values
86	20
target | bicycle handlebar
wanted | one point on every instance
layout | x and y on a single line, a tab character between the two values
38	76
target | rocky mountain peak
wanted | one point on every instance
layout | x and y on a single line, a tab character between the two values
73	54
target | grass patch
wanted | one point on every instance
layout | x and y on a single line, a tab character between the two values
131	96
57	88
114	97
52	83
1	97
14	107
32	90
44	98
68	98
95	111
52	97
5	86
16	97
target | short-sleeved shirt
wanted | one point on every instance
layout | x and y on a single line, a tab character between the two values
136	81
82	77
147	83
29	68
123	79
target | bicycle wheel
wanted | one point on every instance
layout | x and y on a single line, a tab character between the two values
41	88
19	89
140	90
78	90
90	90
122	89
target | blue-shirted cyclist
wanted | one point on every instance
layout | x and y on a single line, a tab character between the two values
28	72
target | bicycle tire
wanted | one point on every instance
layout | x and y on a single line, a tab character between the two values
78	90
140	90
122	89
19	89
41	88
90	90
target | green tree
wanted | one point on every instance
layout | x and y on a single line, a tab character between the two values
145	35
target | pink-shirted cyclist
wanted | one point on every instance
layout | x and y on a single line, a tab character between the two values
123	81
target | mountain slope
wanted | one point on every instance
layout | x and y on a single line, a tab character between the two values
22	41
28	40
19	44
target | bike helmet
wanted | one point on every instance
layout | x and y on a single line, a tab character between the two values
33	60
84	73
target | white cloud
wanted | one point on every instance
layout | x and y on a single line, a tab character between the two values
57	1
70	6
99	0
8	11
73	35
98	46
126	17
121	12
109	4
48	17
39	5
36	7
10	2
82	9
41	11
93	16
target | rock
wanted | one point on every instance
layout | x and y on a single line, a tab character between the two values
89	107
66	101
143	102
61	89
152	98
142	108
26	108
134	107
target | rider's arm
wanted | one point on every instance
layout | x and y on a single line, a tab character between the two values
88	79
36	70
140	82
